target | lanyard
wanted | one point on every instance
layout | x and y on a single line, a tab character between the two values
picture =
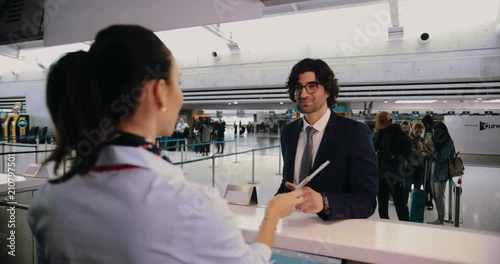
130	140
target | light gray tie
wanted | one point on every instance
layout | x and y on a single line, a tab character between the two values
306	164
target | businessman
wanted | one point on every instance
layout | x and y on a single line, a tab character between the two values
347	187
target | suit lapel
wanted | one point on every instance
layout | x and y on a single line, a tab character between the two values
294	138
330	134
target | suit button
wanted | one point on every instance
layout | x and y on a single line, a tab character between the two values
339	215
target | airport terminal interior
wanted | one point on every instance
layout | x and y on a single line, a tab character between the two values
410	58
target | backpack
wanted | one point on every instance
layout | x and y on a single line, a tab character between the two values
456	165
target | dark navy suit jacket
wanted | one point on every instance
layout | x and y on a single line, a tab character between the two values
350	181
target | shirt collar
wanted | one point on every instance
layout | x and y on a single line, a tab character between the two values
320	125
117	155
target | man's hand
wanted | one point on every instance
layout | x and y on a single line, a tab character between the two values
313	201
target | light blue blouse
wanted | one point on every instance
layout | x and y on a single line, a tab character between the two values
145	215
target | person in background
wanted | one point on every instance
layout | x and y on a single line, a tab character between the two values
235	126
393	150
347	187
441	149
405	127
220	129
196	136
428	123
417	159
206	137
182	129
122	201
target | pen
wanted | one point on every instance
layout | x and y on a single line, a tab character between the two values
310	177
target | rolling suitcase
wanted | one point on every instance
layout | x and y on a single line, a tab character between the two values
417	206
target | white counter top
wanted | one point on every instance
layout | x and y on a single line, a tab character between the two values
374	241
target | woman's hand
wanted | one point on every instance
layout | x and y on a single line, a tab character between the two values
283	205
429	144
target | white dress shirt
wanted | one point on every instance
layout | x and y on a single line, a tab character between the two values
181	127
320	126
149	214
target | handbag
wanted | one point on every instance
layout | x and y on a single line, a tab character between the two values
456	165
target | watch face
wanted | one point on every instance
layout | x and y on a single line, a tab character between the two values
326	204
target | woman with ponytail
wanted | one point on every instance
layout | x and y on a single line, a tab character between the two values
122	201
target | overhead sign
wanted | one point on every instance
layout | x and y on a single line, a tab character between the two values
475	134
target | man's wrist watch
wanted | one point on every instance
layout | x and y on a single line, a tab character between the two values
326	204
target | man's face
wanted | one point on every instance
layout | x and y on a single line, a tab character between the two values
405	128
310	102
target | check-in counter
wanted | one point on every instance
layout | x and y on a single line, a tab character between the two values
374	241
24	243
361	240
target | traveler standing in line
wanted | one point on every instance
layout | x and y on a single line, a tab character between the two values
182	129
206	136
393	151
347	187
235	126
220	130
442	148
428	123
405	127
417	158
122	201
196	136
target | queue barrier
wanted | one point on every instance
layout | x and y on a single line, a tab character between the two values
214	157
453	187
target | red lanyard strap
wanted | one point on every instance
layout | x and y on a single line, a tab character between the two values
118	167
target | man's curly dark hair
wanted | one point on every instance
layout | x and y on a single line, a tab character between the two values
324	75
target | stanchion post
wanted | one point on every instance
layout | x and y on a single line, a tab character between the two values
182	158
36	153
450	202
45	149
3	157
458	192
236	155
213	154
186	149
213	170
279	162
213	147
253	169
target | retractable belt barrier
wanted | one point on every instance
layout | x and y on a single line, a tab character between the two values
183	158
214	157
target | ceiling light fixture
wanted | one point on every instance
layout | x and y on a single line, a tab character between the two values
415	101
492	101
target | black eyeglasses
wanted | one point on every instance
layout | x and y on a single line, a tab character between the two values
311	87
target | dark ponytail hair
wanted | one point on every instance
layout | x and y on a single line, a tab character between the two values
90	93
